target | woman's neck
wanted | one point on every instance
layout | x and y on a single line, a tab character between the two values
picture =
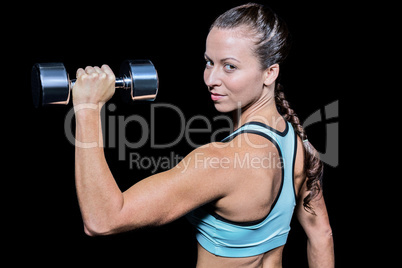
262	110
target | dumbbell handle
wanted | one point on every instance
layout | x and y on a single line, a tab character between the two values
121	82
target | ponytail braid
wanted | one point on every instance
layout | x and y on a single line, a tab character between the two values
312	164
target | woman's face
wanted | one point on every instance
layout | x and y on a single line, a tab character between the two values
232	73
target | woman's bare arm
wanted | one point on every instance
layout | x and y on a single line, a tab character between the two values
156	200
320	245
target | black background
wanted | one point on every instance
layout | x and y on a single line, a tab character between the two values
44	221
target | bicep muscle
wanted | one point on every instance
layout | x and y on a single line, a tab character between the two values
169	195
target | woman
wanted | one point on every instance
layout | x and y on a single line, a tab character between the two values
239	201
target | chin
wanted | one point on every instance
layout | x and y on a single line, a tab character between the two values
224	108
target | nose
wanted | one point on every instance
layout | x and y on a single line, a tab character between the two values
212	78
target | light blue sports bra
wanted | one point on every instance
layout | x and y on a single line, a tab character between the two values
226	238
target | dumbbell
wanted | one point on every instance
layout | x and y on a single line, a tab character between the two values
51	83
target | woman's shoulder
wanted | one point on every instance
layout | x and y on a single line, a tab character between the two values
244	149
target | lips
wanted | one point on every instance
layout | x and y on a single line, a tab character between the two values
216	96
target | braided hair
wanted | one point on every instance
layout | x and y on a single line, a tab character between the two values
271	38
312	163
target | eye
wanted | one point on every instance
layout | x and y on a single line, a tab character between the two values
209	64
230	67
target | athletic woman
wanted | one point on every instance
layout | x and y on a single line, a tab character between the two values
241	193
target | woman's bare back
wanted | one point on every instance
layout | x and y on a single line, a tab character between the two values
271	259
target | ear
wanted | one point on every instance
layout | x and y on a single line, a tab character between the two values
270	74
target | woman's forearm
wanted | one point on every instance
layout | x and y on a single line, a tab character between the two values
320	251
99	196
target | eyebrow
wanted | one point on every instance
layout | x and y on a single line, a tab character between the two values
222	60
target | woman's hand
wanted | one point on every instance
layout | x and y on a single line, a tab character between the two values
94	85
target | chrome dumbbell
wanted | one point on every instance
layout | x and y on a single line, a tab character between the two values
51	83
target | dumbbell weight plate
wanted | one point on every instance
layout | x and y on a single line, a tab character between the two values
144	80
50	84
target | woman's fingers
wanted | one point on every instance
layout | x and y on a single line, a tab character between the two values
80	72
94	85
90	70
98	70
107	70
